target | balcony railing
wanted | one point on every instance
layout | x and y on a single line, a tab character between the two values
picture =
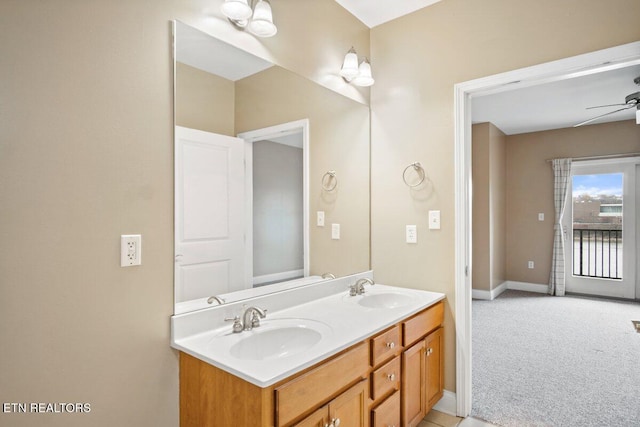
597	253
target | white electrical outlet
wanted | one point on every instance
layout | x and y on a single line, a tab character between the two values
541	216
130	250
412	234
530	264
320	219
335	231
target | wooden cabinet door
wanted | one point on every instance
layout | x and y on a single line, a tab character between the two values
435	368
317	419
413	384
350	408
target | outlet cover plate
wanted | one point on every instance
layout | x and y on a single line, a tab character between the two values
130	250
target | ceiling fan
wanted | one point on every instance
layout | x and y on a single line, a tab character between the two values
630	101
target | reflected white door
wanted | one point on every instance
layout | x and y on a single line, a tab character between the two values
209	232
600	228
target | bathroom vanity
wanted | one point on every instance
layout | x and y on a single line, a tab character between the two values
353	361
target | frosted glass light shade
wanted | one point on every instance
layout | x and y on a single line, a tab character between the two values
262	22
238	10
638	116
364	77
349	68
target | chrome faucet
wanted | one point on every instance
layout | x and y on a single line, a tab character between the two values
250	319
358	287
219	300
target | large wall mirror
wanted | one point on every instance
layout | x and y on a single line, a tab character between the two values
260	154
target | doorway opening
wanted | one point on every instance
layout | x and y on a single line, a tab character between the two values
596	62
277	200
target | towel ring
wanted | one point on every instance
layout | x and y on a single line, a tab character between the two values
330	174
419	169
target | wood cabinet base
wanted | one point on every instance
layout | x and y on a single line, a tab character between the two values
391	378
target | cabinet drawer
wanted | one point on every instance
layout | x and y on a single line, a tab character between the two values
421	324
385	378
317	386
385	345
387	414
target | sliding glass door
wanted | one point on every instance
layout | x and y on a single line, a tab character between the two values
600	228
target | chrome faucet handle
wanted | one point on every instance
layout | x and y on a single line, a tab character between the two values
237	324
255	318
353	290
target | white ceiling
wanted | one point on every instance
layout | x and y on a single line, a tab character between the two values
559	104
225	60
376	12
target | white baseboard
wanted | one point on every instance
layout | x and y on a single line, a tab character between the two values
509	284
447	404
529	287
489	295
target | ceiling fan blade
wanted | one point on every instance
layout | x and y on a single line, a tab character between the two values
602	115
600	106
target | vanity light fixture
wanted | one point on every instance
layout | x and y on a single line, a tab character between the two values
638	115
359	75
256	17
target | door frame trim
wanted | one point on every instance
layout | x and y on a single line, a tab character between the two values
252	136
585	64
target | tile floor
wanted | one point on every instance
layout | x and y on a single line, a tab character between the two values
440	419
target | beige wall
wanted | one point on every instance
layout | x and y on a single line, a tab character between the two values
204	101
530	187
86	154
339	141
489	206
417	59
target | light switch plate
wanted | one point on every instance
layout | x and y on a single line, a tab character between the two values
335	231
434	220
320	219
530	264
412	234
541	216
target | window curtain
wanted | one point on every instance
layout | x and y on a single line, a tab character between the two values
561	176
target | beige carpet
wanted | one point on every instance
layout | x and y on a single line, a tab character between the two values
556	361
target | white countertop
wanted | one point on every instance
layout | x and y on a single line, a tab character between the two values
339	317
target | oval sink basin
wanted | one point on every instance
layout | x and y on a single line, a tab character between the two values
280	340
385	300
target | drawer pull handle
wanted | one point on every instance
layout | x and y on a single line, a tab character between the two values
335	422
391	377
391	344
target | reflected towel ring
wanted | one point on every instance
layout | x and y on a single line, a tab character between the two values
419	169
329	174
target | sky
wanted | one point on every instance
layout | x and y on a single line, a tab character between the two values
600	184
